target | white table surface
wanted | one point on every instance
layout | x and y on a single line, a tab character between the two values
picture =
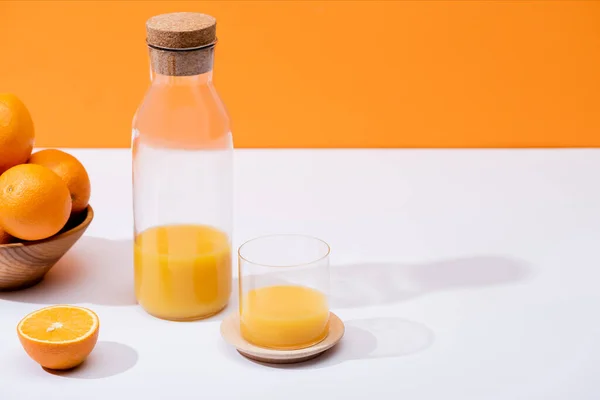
459	274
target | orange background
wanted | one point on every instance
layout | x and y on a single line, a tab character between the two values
323	73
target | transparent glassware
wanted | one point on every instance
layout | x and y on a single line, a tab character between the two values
182	164
284	291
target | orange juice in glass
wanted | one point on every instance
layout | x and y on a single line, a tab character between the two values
284	286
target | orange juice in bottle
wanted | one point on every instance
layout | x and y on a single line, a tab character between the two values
182	150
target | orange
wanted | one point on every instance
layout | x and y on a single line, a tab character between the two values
4	237
71	171
34	202
59	337
16	132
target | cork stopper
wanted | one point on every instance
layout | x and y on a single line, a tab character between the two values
181	44
182	30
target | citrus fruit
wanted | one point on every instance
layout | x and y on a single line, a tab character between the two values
34	202
59	337
4	237
16	132
71	171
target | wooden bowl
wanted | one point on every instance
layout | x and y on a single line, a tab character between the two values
24	264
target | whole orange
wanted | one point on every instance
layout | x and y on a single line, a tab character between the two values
16	132
71	171
34	202
4	237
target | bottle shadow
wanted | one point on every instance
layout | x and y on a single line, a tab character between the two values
369	284
95	270
100	271
107	359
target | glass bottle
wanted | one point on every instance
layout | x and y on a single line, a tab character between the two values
182	155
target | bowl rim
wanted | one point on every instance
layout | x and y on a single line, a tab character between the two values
83	225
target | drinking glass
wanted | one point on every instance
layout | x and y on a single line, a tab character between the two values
284	290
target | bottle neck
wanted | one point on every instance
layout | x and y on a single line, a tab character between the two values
159	79
181	67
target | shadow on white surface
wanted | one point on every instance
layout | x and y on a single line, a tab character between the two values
95	270
107	359
369	284
372	338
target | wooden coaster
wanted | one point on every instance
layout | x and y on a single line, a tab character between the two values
230	330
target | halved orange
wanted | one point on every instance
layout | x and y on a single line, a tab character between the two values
59	337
